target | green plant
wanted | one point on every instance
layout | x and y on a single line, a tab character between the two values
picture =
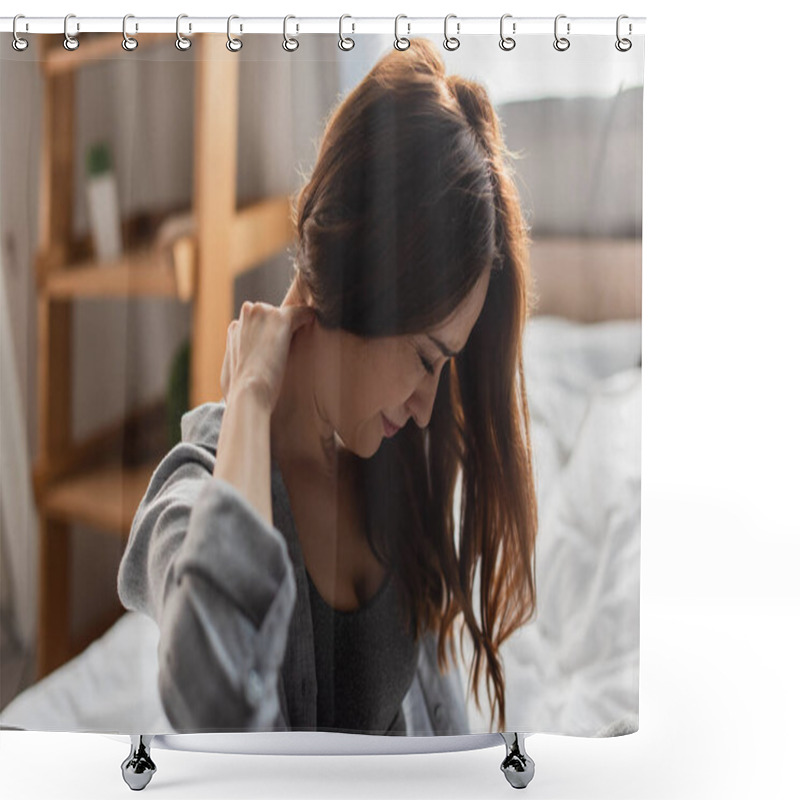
178	391
98	159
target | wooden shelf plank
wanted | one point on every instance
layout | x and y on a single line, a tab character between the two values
105	498
142	432
144	271
260	230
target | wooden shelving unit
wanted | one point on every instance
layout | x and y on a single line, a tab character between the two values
100	481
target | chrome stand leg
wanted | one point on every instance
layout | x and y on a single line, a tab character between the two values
518	766
138	767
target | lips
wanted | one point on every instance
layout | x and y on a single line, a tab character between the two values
389	428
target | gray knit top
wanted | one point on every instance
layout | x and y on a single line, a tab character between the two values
365	663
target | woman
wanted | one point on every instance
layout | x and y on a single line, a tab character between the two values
391	371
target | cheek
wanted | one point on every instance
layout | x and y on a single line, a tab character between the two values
385	379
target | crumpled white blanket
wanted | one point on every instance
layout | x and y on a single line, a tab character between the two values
574	669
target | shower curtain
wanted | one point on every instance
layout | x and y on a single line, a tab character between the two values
160	205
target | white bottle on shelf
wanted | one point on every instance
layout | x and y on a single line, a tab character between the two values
104	217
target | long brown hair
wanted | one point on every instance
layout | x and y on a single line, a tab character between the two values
410	199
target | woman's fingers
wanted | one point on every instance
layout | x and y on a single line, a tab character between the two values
225	377
258	344
299	315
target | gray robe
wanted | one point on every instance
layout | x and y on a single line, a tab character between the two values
231	599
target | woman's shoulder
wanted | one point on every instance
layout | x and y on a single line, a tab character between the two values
195	455
201	425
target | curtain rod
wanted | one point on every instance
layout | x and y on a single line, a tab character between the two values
297	25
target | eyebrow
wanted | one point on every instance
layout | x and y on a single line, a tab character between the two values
443	347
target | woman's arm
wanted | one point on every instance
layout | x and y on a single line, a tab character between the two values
243	456
204	563
203	557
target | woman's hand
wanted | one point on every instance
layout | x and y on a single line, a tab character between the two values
257	349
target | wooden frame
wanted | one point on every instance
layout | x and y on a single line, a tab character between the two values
70	477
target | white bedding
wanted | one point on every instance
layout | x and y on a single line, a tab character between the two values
574	669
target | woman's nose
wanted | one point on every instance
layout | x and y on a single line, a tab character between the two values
420	404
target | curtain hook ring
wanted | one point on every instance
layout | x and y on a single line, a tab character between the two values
182	43
70	42
233	44
623	45
451	42
401	43
290	43
561	40
18	43
128	42
507	42
345	42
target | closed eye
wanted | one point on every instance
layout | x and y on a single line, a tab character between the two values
425	363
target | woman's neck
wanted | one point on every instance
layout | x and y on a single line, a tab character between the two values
299	433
